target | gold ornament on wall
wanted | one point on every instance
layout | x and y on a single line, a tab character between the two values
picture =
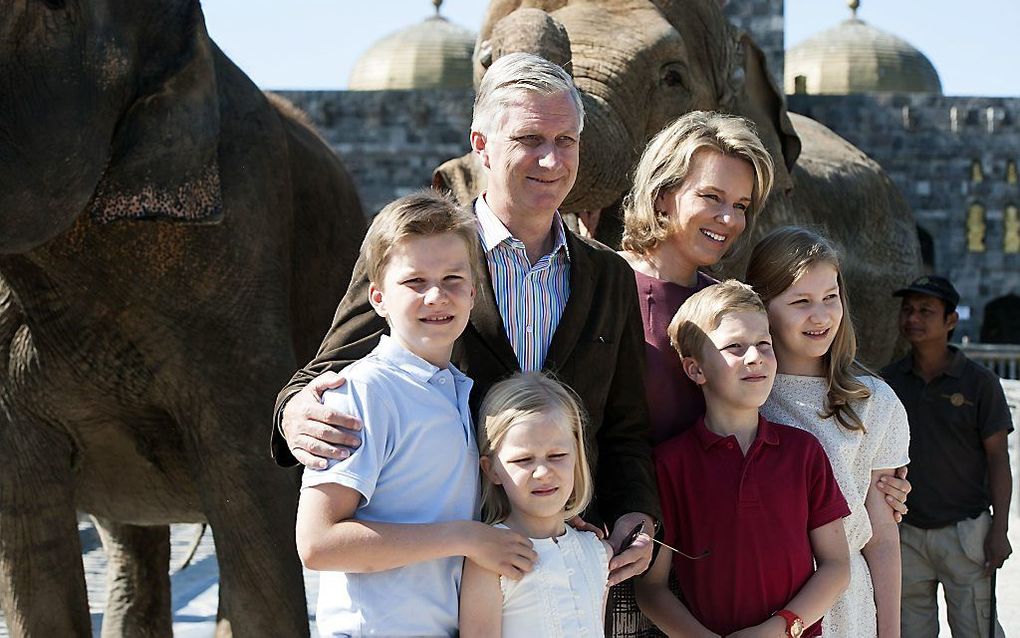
976	228
977	174
1011	230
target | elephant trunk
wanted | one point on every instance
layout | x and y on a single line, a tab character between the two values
606	146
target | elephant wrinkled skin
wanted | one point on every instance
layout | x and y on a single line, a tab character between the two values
172	244
642	63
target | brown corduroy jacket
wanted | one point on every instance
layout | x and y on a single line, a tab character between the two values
597	349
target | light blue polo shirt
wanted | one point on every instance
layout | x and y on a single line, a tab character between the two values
418	463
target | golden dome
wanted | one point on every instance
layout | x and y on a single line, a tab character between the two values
855	57
434	54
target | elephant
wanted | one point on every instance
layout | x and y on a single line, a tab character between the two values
642	63
172	243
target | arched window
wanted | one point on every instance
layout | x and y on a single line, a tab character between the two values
1002	320
924	239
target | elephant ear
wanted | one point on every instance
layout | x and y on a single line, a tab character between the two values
163	163
765	103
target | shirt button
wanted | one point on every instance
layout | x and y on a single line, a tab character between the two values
442	381
729	446
527	329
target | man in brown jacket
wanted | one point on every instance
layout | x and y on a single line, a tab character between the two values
551	301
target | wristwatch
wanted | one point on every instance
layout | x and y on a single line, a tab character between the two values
794	625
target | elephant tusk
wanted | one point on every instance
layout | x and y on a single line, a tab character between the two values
588	222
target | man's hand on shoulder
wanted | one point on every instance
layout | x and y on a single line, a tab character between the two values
314	432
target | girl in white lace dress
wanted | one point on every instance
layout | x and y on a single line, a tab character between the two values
855	415
536	477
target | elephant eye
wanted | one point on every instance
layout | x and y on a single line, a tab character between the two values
55	4
673	74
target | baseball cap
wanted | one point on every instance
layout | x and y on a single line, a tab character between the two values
932	286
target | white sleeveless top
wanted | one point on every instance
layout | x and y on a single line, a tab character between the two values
797	401
563	595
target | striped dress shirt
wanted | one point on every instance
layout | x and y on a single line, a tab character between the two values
530	297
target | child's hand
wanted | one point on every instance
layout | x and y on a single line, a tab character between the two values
582	525
498	550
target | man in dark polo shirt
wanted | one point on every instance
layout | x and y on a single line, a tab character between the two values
959	466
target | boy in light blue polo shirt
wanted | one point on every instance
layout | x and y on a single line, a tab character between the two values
389	525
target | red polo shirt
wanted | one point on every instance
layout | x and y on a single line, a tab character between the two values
752	513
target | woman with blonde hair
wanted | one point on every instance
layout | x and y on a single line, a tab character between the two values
699	186
821	388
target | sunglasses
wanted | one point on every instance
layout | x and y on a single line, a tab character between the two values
640	529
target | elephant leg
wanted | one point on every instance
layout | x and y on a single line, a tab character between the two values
252	516
251	506
42	580
137	580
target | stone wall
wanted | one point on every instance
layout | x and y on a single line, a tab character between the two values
390	140
763	19
945	154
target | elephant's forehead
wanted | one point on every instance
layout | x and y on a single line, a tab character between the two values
636	21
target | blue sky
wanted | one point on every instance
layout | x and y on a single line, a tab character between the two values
313	44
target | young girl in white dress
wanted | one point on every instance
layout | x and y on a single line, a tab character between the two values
855	415
535	478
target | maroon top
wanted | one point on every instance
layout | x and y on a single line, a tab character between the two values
674	401
752	514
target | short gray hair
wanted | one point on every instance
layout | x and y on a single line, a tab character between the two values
514	74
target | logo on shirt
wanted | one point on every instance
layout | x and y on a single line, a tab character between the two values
957	399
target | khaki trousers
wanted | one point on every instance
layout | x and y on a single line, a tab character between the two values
954	556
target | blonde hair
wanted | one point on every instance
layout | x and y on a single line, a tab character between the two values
524	395
666	163
776	263
517	74
704	311
421	214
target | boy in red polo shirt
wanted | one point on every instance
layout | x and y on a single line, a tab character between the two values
752	505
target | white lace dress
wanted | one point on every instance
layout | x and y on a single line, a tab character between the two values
562	597
797	401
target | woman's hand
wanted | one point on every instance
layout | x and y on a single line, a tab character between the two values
895	487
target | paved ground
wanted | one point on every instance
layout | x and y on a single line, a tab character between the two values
195	589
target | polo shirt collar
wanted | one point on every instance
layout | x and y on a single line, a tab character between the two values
492	231
957	364
904	365
766	433
390	351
